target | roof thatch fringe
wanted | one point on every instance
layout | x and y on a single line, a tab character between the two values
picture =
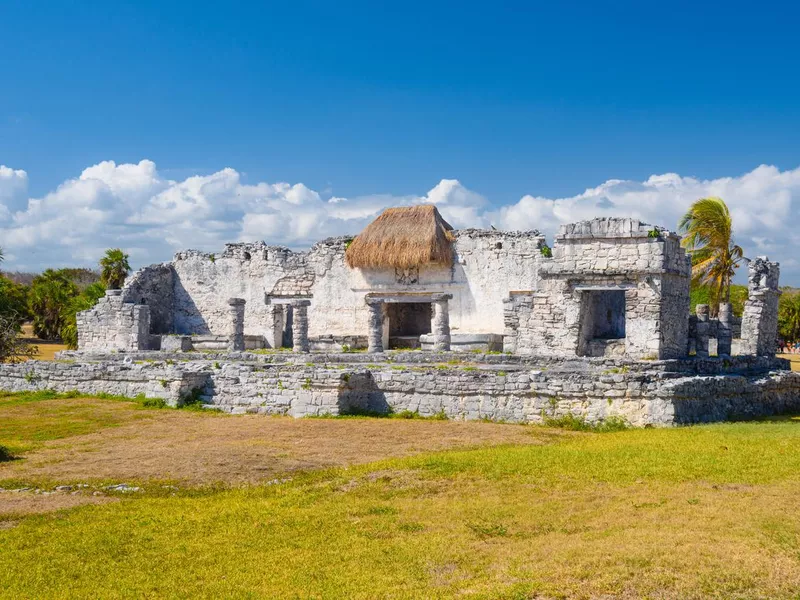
403	238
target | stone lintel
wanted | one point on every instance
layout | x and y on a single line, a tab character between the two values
293	300
403	297
236	301
555	270
586	287
113	292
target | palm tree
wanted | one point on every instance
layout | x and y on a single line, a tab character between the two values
789	316
708	236
49	294
114	268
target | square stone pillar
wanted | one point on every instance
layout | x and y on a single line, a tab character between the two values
440	322
702	331
760	319
300	325
725	329
236	327
274	328
375	332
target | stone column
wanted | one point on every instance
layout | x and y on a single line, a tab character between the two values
300	325
760	319
140	335
440	322
702	331
725	329
375	333
236	331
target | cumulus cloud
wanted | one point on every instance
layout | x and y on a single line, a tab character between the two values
137	208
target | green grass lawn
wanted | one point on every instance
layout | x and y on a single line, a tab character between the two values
695	512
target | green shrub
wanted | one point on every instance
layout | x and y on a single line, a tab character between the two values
86	300
150	402
13	300
5	454
192	400
406	414
439	416
571	422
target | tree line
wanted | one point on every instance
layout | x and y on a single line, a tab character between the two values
51	301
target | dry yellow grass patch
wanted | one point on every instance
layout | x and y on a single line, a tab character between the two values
795	360
113	440
47	350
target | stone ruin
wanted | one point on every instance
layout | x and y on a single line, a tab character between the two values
600	327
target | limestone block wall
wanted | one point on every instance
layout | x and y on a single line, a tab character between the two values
591	261
153	286
189	296
204	282
643	392
113	324
760	318
674	316
488	265
154	380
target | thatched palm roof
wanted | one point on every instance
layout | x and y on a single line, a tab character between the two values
403	237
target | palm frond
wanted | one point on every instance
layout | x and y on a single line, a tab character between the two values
708	236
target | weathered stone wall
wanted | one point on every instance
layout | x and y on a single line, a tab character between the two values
674	317
642	392
488	266
154	380
591	259
113	324
760	319
204	282
153	286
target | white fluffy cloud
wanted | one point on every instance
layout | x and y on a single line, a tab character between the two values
135	207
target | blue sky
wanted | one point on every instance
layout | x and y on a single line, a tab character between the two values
356	100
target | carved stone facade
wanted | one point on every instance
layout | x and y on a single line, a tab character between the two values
614	287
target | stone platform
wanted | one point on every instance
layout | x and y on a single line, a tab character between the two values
475	386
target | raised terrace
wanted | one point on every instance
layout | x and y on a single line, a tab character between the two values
413	315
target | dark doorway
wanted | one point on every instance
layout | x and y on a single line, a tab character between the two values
408	321
603	323
608	314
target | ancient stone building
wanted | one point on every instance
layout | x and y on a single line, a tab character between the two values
614	287
598	328
407	267
609	288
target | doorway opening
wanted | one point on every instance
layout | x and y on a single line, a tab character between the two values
408	321
603	322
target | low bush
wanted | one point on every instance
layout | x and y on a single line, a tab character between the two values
5	454
571	422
